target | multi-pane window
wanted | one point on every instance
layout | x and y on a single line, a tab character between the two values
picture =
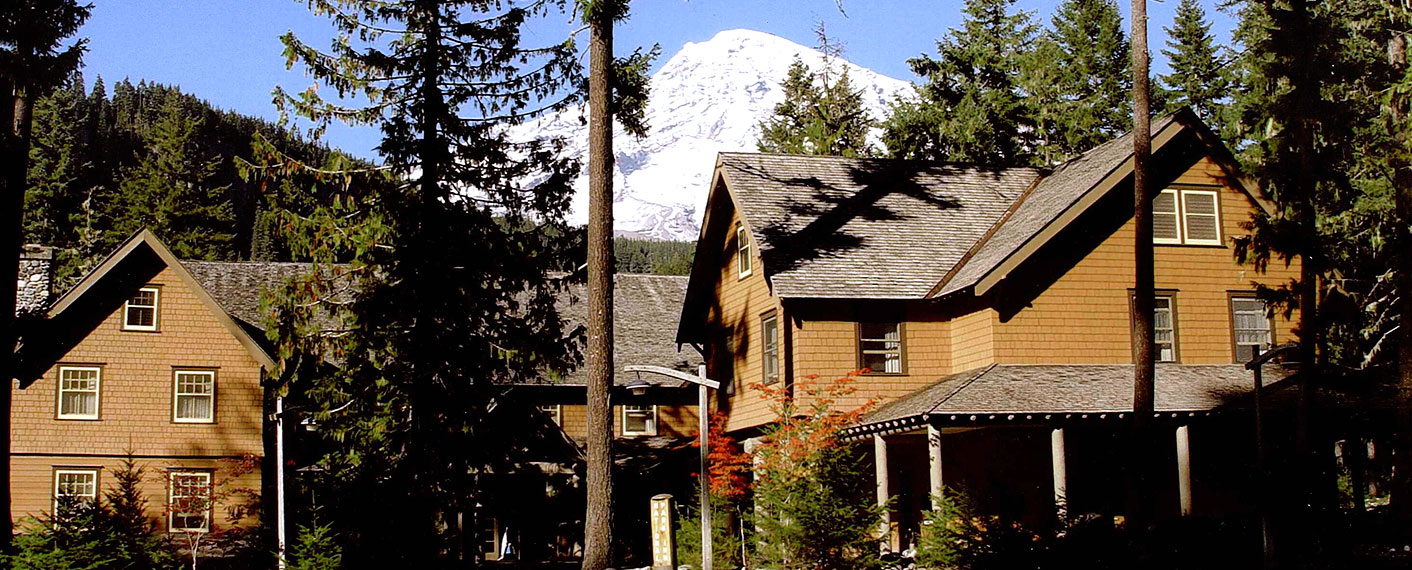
770	336
189	504
194	399
1250	326
78	392
78	485
880	347
554	412
140	311
742	251
639	420
1164	328
1186	216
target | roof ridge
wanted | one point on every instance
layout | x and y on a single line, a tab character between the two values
963	386
985	237
981	165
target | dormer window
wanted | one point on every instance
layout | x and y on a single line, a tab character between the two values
140	311
742	248
1186	216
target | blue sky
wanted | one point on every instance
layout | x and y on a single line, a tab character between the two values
231	55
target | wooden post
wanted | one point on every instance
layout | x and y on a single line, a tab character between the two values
880	468
938	484
1061	474
1184	469
664	539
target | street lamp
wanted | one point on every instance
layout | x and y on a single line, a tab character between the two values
639	388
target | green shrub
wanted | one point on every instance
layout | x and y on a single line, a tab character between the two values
727	522
315	548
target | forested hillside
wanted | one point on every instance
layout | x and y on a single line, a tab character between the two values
147	155
653	256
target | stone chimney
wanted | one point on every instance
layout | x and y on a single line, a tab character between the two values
36	277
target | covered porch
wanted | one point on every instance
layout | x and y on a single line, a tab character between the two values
1044	444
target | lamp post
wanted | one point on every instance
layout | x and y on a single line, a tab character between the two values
1267	544
703	428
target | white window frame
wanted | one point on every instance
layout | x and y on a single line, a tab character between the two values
1235	331
1179	200
1176	213
60	472
1171	318
97	393
172	514
769	353
743	260
156	303
651	427
555	413
177	395
901	348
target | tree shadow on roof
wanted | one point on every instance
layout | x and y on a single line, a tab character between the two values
812	220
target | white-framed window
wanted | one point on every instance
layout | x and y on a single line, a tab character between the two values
194	396
140	310
554	412
78	392
1186	216
880	347
488	536
189	501
79	484
639	420
1250	327
1164	327
770	337
742	251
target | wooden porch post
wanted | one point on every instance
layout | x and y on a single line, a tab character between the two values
880	469
1184	469
1061	474
934	461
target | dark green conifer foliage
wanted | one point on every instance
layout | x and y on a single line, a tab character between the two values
174	193
822	113
1094	74
433	287
969	107
1197	79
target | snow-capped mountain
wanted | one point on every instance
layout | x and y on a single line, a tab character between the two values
710	97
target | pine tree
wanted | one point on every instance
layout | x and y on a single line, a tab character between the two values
822	113
1093	73
1197	80
970	107
450	259
173	192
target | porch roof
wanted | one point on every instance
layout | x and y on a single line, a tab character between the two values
1011	389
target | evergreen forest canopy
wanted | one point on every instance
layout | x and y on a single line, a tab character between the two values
103	165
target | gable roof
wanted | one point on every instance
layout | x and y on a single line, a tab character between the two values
237	285
144	240
645	310
870	228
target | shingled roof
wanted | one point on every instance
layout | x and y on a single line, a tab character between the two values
645	310
875	228
645	315
1079	388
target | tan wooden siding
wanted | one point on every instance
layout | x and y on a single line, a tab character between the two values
677	421
33	484
826	350
1083	317
136	388
973	340
739	304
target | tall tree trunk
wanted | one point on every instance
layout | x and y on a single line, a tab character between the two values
1402	182
598	520
15	116
1144	345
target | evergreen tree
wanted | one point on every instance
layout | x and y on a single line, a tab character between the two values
60	174
173	191
821	114
970	107
1197	80
1094	75
432	288
1042	81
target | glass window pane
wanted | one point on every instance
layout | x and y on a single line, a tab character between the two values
1164	216
1200	209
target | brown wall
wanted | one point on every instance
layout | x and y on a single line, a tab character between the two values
677	421
135	397
1083	317
33	484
